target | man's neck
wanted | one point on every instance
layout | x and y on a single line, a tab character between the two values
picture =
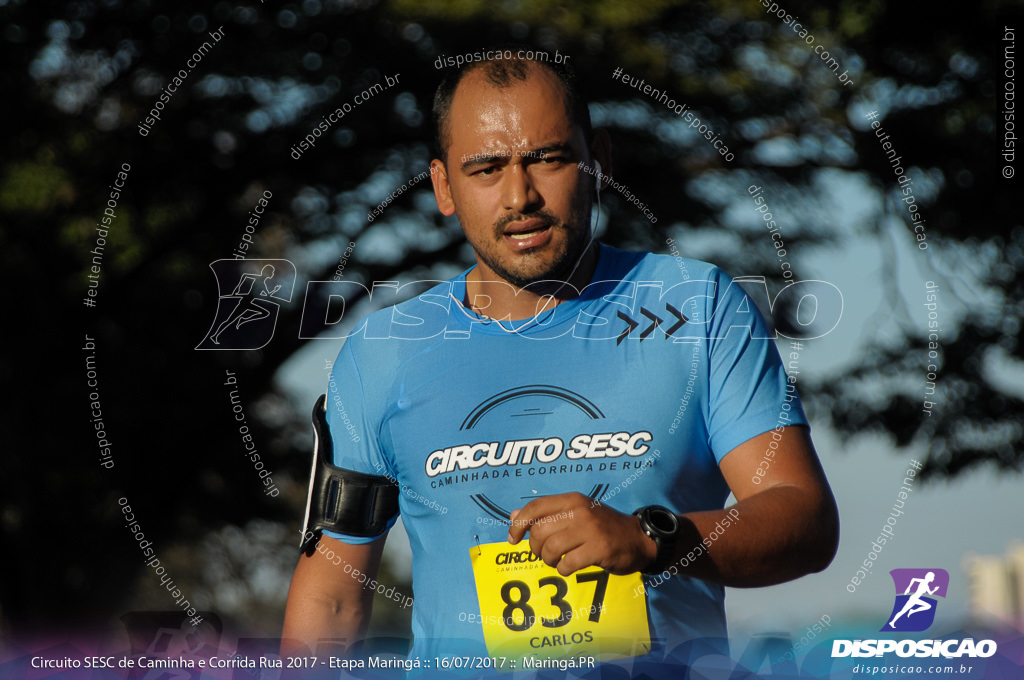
501	300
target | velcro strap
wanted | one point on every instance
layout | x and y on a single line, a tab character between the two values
345	501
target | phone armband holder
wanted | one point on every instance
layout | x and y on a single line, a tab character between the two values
341	500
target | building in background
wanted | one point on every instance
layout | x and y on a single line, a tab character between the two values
995	591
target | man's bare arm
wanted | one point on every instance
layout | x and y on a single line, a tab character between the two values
782	527
326	602
788	523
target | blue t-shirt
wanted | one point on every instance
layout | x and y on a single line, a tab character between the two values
630	393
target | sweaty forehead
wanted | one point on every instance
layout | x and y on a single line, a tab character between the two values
523	115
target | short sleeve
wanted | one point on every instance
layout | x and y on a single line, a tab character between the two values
749	392
354	423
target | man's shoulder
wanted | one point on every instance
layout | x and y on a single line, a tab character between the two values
669	267
421	315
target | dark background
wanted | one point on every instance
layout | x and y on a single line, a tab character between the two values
78	76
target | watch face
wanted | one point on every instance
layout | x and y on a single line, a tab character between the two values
660	521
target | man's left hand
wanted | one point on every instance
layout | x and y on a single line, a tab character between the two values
570	532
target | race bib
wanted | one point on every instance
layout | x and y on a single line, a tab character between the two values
528	609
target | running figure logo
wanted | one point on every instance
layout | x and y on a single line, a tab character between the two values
247	316
914	610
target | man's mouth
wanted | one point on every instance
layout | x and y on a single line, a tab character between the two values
528	234
521	231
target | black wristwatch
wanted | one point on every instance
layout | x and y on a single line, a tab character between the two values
662	526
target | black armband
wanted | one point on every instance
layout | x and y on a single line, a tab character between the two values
341	500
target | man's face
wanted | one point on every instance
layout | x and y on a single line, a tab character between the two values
513	180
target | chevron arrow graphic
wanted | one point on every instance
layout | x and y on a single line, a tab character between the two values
629	328
656	322
679	324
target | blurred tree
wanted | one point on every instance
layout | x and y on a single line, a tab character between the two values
80	76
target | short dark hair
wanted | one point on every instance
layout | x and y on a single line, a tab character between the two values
501	73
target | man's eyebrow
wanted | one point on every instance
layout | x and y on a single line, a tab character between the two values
563	147
476	159
486	158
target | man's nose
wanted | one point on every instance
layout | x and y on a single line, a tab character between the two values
520	193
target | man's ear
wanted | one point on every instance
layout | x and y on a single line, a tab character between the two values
442	189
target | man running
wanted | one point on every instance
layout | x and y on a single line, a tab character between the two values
524	391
